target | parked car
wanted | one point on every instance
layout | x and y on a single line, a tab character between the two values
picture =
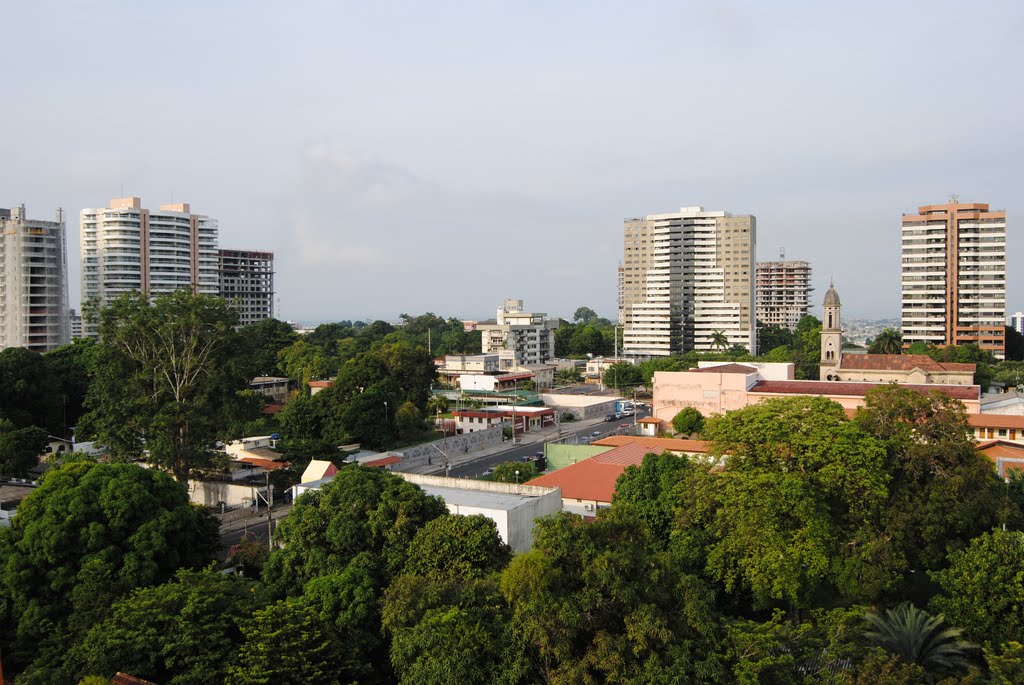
610	417
489	472
595	434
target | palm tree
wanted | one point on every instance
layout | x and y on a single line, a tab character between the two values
889	341
719	340
917	637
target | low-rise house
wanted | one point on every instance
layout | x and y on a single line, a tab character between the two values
274	388
525	419
905	369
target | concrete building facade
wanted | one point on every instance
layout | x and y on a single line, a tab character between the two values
247	283
530	335
1017	322
687	276
954	276
126	247
34	287
783	292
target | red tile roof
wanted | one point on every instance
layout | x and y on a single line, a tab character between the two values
383	461
725	368
321	384
899	362
655	444
649	419
848	389
594	479
267	464
996	421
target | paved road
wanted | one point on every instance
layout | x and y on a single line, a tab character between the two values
231	533
581	430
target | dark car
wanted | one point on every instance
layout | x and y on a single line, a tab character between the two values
610	417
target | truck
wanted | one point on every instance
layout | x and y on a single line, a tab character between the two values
624	407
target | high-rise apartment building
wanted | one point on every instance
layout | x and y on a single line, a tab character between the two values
688	282
783	292
126	248
530	335
954	276
1017	322
34	283
247	283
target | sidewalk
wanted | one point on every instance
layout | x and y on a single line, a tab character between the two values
537	437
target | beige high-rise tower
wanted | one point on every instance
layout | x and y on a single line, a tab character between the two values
783	292
688	282
34	283
954	276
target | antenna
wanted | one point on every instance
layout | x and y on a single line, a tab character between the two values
954	199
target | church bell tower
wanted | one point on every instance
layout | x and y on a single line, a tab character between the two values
831	336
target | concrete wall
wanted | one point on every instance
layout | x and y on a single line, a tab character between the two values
213	493
581	406
419	455
515	525
709	393
560	456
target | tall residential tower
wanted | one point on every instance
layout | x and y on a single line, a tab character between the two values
34	286
688	282
954	276
126	248
783	292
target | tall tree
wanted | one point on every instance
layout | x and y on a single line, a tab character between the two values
622	375
168	373
19	448
263	340
72	367
361	510
29	395
181	632
919	638
458	547
983	588
89	534
889	341
584	315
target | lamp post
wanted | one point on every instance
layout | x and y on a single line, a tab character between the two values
517	476
385	411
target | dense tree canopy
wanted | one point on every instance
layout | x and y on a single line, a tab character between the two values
362	510
89	534
169	376
622	375
459	547
263	340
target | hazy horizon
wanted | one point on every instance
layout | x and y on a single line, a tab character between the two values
404	158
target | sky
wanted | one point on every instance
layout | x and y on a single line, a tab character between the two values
404	157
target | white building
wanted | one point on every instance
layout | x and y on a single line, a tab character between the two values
1017	322
530	335
34	293
954	276
247	283
688	276
126	248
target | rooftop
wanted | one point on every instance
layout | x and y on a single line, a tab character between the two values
657	444
899	362
851	389
595	478
725	368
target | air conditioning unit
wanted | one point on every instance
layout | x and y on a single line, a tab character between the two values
588	507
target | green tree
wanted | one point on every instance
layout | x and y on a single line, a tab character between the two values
458	547
942	493
584	618
287	644
183	631
302	361
29	394
917	637
622	375
688	421
514	472
789	515
917	347
889	341
19	448
719	340
72	367
568	376
453	631
584	315
349	604
587	339
409	421
92	531
168	375
772	336
807	353
1006	664
649	490
302	418
360	510
983	587
263	340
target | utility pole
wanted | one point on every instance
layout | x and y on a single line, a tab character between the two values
270	516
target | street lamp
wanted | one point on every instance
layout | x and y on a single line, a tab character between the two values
517	476
385	411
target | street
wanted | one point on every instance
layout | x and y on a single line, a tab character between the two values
581	429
